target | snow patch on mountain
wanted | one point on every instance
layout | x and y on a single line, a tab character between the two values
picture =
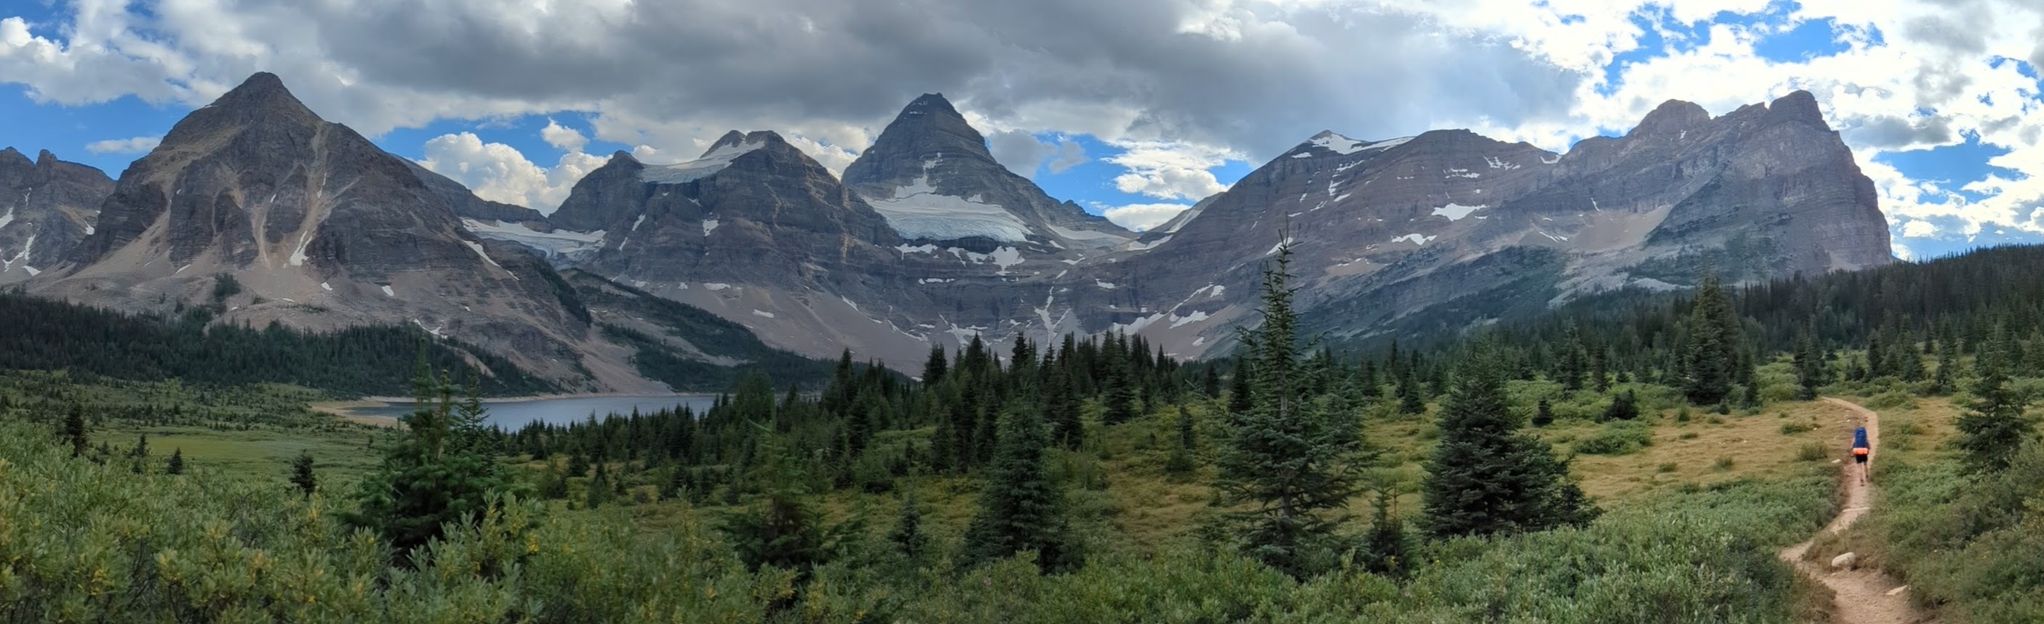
478	248
1415	239
708	165
918	211
563	243
1455	212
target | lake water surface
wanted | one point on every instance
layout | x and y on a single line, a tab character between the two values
512	414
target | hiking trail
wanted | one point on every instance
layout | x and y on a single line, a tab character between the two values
1862	595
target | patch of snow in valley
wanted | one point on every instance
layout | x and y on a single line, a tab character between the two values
1455	172
1195	317
1455	212
714	286
1499	163
556	243
924	248
1142	246
762	313
699	168
326	287
1104	285
710	225
1085	234
936	280
1415	239
387	292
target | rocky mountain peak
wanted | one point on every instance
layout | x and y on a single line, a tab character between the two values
1798	105
1672	116
926	127
11	156
43	158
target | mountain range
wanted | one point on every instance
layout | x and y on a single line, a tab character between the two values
257	206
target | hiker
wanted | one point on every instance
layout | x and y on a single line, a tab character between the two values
1862	450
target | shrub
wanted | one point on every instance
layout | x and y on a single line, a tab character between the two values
1812	451
1792	428
1618	438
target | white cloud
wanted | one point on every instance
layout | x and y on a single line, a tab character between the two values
562	137
135	145
1141	217
1167	170
499	172
1182	85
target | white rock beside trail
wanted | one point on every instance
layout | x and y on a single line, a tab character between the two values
1845	561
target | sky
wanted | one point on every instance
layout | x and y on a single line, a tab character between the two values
1132	108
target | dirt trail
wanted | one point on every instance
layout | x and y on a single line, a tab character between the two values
1865	595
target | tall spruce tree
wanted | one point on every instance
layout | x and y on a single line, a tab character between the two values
908	536
74	430
1944	381
1061	403
1181	461
1021	508
302	476
1386	548
935	367
1121	401
1486	476
1711	354
435	476
1289	466
1996	425
1809	363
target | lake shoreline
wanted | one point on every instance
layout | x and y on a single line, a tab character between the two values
362	410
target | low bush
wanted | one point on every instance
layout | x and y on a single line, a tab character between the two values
1617	438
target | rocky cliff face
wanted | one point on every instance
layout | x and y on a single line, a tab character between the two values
929	241
46	207
320	229
1448	230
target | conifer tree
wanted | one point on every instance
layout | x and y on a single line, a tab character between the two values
1021	508
438	474
74	430
1121	402
1996	425
1543	413
1239	393
1710	356
908	536
1210	383
1809	363
935	367
1410	400
301	474
781	529
1181	459
1289	465
1486	477
1386	548
177	462
1061	402
1942	382
599	488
